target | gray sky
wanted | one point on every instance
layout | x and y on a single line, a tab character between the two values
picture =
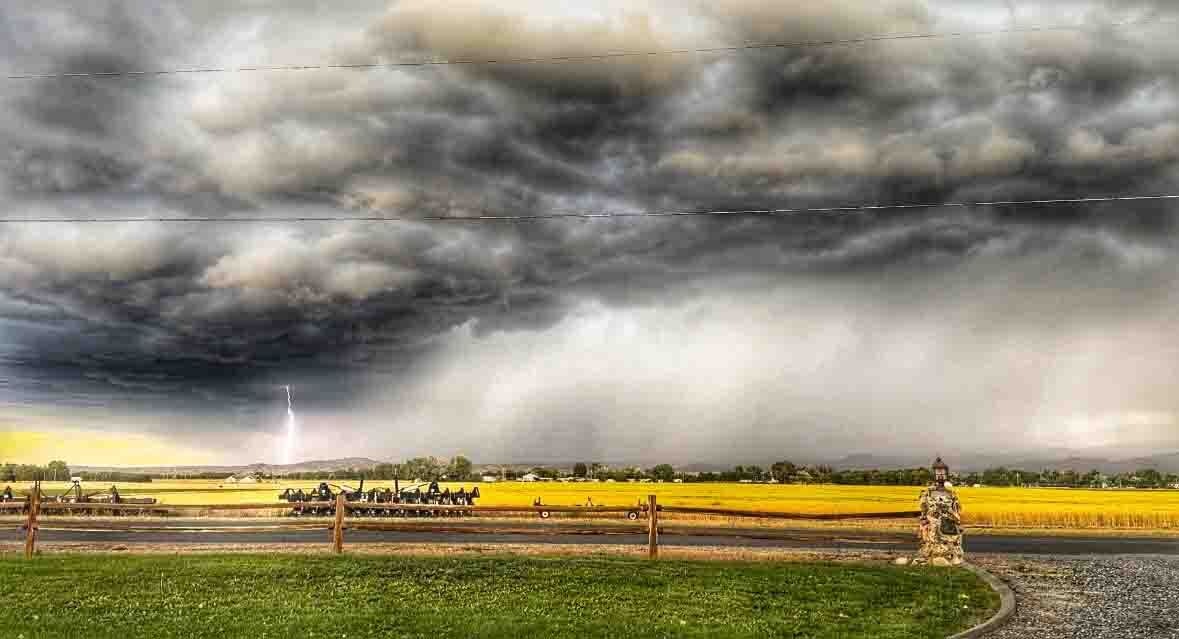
681	339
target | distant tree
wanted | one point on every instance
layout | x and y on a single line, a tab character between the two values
459	468
782	470
996	477
663	472
580	470
424	468
1148	478
57	470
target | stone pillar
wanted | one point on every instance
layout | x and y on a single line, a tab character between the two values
940	531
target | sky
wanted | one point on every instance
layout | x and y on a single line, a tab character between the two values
680	339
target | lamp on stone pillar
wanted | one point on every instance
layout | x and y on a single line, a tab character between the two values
941	472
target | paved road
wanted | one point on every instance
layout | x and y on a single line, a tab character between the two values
198	531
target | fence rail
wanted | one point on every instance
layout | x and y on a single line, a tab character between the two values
22	506
34	508
762	514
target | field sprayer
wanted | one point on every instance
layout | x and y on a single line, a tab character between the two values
321	500
74	495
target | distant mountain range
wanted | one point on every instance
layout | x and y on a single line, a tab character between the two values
1063	460
318	465
1050	460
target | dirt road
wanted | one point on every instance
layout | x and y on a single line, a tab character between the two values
204	531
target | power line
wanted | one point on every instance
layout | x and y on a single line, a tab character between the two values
861	208
588	57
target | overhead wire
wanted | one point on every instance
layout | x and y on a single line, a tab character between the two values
590	215
585	58
564	59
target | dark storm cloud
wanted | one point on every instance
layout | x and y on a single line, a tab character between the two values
148	310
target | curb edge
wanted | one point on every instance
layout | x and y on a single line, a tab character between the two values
1006	605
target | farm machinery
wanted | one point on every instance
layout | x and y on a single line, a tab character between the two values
376	502
75	495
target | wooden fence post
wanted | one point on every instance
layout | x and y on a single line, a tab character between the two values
338	529
652	527
31	524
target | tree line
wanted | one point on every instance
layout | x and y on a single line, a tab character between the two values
457	468
1142	478
58	470
787	472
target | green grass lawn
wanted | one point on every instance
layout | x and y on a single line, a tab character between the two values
280	596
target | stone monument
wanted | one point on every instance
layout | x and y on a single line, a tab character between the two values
941	521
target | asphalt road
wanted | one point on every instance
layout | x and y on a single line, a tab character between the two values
204	531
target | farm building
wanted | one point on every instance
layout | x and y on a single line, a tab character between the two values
489	478
529	477
248	479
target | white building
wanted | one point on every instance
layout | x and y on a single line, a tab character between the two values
529	477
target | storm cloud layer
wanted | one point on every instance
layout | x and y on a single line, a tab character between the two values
680	338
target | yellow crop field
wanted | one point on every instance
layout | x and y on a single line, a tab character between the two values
981	507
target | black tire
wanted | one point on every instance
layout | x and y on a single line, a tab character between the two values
544	514
632	515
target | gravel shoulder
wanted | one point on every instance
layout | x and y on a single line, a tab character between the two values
1089	597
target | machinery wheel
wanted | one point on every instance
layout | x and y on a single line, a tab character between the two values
544	514
632	515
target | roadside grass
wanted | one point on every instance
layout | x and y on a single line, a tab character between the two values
261	596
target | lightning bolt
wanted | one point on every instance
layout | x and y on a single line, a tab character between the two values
289	443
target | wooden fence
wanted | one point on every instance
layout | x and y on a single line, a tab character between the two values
652	509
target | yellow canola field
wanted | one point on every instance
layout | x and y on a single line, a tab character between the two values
992	507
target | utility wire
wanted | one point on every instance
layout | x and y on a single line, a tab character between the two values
590	57
588	215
